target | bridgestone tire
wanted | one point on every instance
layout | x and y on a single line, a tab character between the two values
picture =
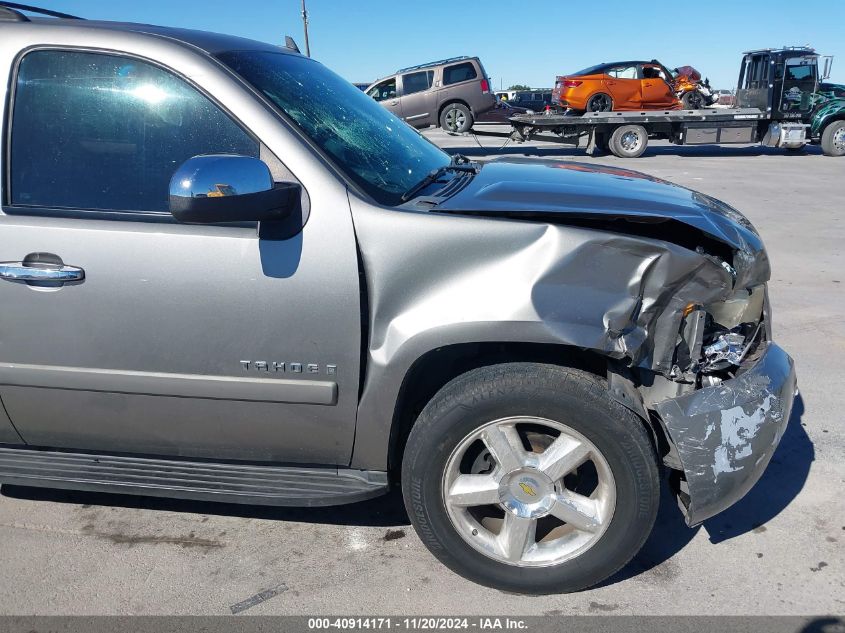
567	396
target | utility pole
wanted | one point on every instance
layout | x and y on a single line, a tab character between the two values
305	25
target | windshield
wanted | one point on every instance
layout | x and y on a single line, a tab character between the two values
376	150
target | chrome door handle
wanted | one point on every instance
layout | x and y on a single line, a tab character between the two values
18	271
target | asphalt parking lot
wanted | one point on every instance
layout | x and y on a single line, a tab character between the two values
779	551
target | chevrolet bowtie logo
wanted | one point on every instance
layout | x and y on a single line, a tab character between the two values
527	489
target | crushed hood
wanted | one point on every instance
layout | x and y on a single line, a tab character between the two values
562	191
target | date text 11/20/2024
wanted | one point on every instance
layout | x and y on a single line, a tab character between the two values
485	623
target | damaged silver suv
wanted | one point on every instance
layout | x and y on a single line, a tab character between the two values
229	275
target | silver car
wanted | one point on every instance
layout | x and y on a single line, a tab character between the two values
451	93
227	274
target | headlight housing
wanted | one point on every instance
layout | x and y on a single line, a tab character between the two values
731	329
715	338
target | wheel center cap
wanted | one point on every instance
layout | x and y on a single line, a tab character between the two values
527	492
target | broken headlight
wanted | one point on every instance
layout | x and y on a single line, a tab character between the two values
731	330
729	347
714	339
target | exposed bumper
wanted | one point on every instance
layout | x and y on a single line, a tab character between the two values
726	435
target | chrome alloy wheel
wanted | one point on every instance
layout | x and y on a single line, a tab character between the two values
630	141
528	491
455	119
839	139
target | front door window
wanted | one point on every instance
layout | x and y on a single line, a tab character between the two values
105	132
384	91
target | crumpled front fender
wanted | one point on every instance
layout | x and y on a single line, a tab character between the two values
435	280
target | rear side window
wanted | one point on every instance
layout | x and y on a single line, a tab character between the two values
417	82
458	72
623	72
757	71
105	132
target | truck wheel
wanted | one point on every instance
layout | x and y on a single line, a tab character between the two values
628	141
456	118
600	102
530	478
693	100
833	139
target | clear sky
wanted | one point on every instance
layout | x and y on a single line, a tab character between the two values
518	42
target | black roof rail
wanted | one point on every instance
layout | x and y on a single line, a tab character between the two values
437	63
11	11
784	49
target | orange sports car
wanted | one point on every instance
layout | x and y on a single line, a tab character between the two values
618	86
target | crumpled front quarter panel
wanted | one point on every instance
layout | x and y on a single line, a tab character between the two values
435	280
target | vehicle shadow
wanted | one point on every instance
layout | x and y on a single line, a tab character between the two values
385	511
781	482
280	257
668	537
517	150
715	151
558	149
830	624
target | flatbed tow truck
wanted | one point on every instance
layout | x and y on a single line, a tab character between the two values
777	104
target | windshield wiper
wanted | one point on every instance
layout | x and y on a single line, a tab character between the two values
459	162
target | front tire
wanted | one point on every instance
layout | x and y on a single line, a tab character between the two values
456	118
833	139
530	478
693	100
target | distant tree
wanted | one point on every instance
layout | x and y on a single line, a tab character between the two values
519	87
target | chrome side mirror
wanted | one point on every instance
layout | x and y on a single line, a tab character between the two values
828	66
220	188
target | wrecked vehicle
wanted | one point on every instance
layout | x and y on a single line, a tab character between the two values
632	85
617	86
693	93
245	281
